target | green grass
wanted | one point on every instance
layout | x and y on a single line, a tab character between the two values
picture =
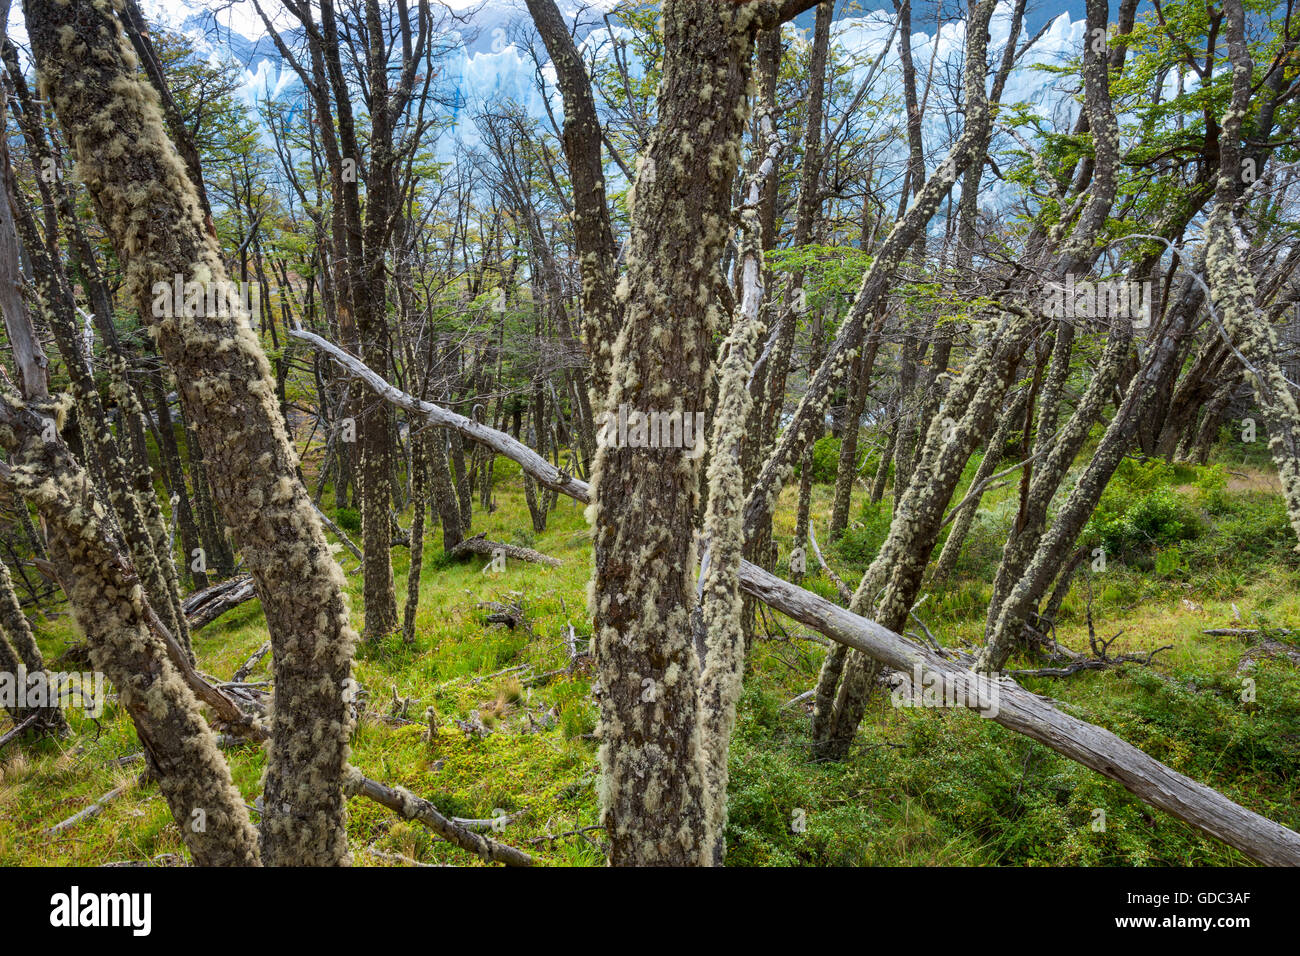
920	787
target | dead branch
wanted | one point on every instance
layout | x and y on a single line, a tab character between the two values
18	728
203	607
246	668
93	810
410	807
479	544
846	595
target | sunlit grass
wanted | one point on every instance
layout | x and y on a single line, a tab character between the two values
921	787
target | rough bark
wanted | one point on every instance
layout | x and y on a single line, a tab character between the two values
18	647
112	611
654	796
150	212
1018	709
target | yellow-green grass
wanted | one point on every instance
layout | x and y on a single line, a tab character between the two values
921	786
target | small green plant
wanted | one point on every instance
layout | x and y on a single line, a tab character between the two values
349	519
1170	562
1160	517
826	460
863	538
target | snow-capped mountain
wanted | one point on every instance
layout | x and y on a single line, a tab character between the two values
490	62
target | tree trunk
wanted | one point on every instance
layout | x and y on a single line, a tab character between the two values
115	128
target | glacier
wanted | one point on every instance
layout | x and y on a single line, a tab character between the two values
490	62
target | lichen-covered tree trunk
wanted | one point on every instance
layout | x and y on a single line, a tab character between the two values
377	460
894	577
419	502
721	638
150	212
1061	452
947	562
1057	543
146	540
592	232
112	611
654	791
846	472
18	649
1234	285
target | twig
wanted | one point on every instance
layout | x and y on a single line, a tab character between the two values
19	728
410	807
802	697
90	811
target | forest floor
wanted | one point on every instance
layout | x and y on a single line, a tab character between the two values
1192	549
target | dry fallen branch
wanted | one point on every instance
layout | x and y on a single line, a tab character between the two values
338	532
410	807
479	544
1018	709
845	593
203	607
18	728
93	810
1101	658
246	668
399	858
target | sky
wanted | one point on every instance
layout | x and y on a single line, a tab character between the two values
242	18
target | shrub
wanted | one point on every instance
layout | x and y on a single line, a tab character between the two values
863	538
1158	518
349	519
826	460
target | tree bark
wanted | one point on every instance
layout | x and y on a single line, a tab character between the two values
151	213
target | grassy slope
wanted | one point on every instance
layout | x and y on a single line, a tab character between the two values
922	787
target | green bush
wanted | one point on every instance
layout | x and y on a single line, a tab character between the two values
863	538
349	519
826	460
1152	520
1212	489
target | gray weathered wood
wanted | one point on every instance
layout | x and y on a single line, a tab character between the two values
1016	708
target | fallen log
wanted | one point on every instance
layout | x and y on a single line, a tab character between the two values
93	810
1016	708
203	607
196	600
479	544
1266	648
410	807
